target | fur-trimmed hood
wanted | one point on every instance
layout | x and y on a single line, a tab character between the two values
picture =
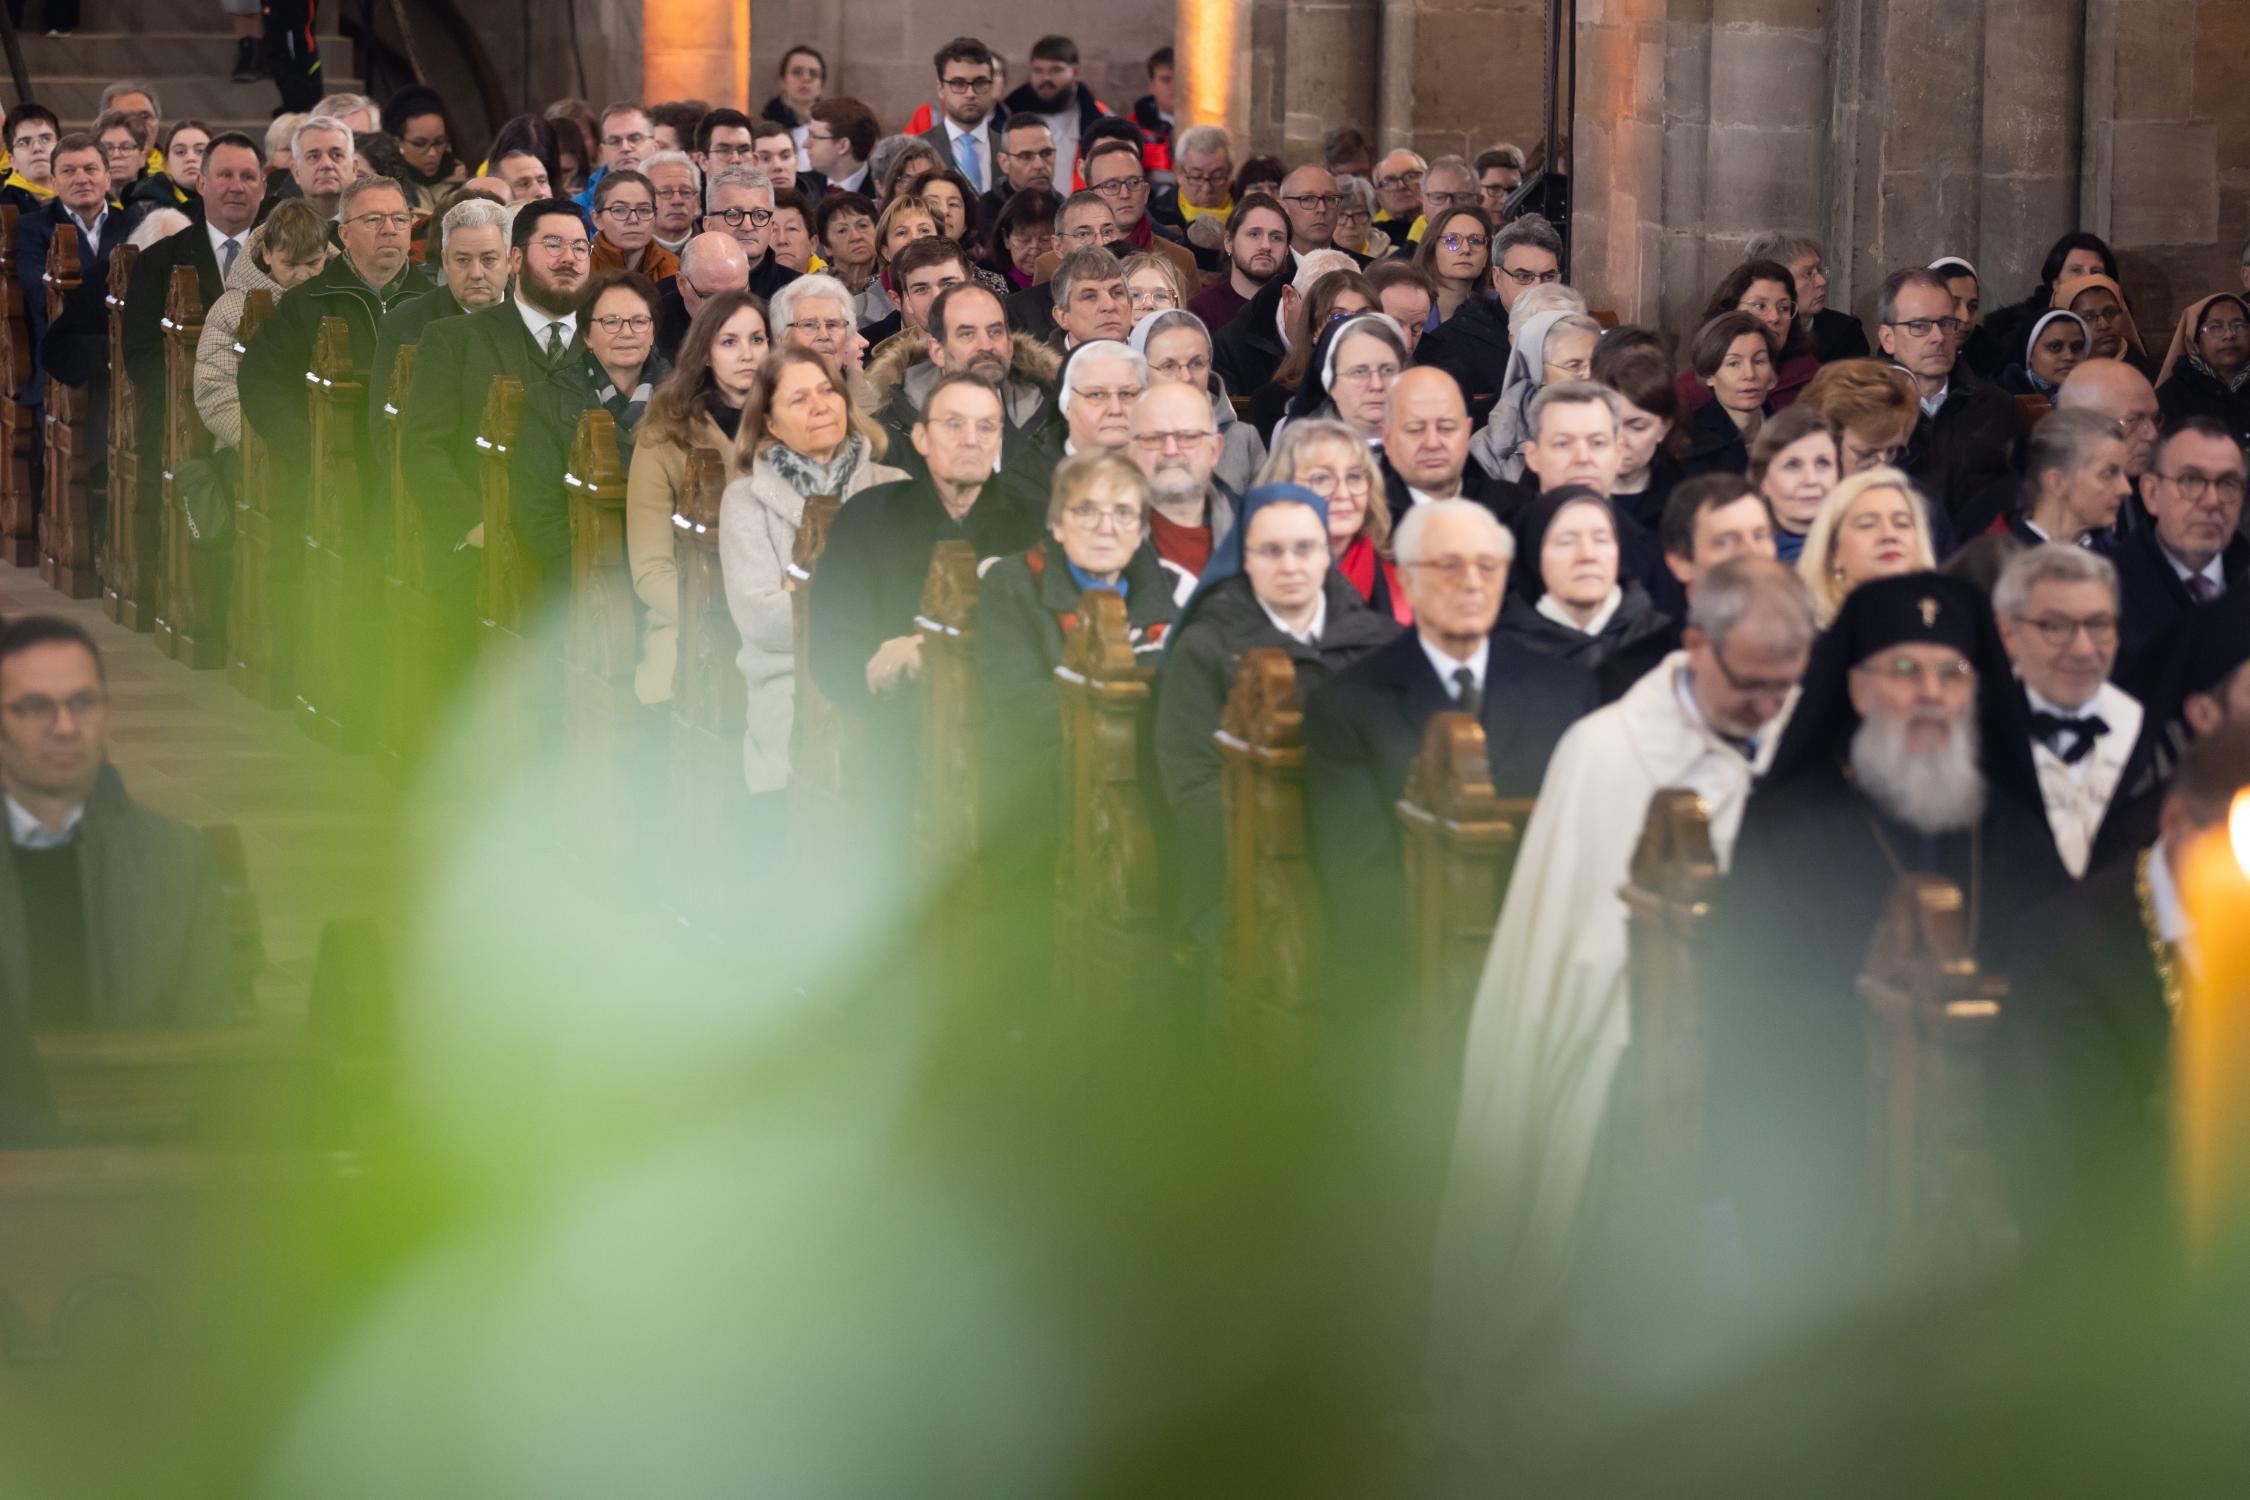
1033	364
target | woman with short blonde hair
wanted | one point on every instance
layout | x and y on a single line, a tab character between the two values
1873	525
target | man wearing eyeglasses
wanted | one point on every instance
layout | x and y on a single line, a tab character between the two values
1549	1024
738	202
711	265
678	186
964	135
1176	442
1114	172
723	140
1026	155
1364	730
1447	185
535	336
2092	748
1309	193
110	914
625	134
360	286
32	130
1398	187
2191	555
1966	432
1203	165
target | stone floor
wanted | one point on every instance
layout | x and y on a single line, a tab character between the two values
317	825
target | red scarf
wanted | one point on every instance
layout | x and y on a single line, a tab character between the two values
1359	564
1142	234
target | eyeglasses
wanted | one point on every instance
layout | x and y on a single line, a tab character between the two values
1218	177
555	244
1571	369
1124	395
130	150
1044	153
1450	200
616	323
1922	328
40	710
2059	631
1399	180
382	221
1463	241
1091	517
1455	570
681	194
2235	327
981	84
1091	234
832	327
2194	484
1273	552
425	143
1193	370
1370	375
1315	200
35	142
733	218
1752	687
630	212
1328	485
1119	187
810	137
958	428
637	138
1532	278
731	152
1907	669
1157	442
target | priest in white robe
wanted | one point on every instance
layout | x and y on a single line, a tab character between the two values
1549	1025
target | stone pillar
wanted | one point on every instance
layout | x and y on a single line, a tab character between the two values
696	49
1461	75
1618	145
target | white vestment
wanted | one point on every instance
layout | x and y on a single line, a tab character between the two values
1550	1020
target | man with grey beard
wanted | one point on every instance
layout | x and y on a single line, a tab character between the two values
1882	772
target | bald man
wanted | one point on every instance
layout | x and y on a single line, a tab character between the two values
1309	193
1176	442
2122	394
1425	453
711	265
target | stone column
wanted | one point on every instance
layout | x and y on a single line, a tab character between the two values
1617	140
696	49
1461	75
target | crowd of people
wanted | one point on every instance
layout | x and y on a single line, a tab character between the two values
1962	588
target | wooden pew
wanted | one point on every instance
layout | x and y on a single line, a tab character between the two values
1668	901
66	523
429	639
1271	938
262	611
128	550
192	573
601	644
1461	840
1933	1018
710	700
949	818
508	585
2030	412
19	495
335	664
1112	947
817	730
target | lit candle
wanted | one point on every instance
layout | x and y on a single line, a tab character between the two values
2211	1042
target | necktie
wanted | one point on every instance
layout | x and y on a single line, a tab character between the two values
227	269
2200	585
2072	739
554	342
1468	698
965	152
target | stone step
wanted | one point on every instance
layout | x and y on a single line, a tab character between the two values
148	15
208	96
132	54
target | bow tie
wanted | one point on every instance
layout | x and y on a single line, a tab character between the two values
2080	734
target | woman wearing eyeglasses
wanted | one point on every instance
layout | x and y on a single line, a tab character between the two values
2207	370
1271	582
2100	302
625	227
1566	597
1334	297
1178	349
1329	459
1456	255
1354	365
1768	292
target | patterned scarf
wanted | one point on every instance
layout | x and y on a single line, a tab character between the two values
809	477
626	406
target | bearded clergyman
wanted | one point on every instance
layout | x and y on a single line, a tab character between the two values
1883	772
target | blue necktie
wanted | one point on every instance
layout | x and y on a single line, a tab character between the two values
965	152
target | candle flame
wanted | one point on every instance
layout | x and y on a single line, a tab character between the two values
2238	830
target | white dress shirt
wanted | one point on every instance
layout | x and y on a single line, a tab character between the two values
1445	666
219	238
2078	796
1310	635
982	135
537	322
2212	570
27	832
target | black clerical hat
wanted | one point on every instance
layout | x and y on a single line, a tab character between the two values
1918	608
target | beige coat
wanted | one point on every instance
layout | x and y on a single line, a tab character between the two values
216	358
758	519
652	493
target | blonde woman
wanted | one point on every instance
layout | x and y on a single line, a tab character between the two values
1873	525
1329	459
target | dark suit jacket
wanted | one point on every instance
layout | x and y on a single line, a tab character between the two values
2155	601
1362	734
145	296
1955	455
457	363
34	234
272	374
158	950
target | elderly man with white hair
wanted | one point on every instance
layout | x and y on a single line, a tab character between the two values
678	185
471	249
1549	1025
1364	730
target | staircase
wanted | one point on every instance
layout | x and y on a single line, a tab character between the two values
184	49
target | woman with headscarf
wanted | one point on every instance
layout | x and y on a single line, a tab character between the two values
2207	370
1177	346
1329	459
1354	365
2100	302
1269	583
1566	597
2055	347
1553	346
2074	255
1329	300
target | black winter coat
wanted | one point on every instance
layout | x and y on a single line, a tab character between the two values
2193	391
1636	620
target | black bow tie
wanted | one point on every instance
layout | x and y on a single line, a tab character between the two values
2073	739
